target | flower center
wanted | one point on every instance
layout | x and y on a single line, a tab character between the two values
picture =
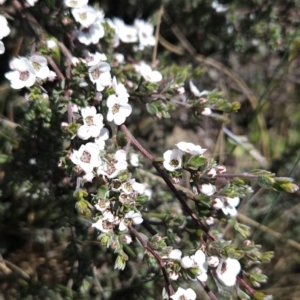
83	16
110	168
116	108
123	198
128	187
107	225
73	3
24	75
174	162
96	74
36	65
85	157
89	121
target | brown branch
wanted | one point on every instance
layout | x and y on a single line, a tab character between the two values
147	247
55	68
210	294
246	285
178	195
169	183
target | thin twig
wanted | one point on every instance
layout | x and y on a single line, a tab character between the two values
210	294
147	247
55	68
169	183
160	13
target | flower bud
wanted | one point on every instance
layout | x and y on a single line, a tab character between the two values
173	275
213	261
210	221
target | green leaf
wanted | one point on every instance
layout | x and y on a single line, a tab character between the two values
102	191
151	108
225	296
196	161
242	229
265	181
259	296
258	277
242	295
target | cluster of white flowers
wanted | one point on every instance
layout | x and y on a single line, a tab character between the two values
92	27
141	32
26	71
226	269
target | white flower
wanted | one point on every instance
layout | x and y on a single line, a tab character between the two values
2	48
172	160
93	123
218	7
207	189
5	31
195	91
134	159
103	136
173	275
119	58
206	111
200	261
87	157
2	1
88	176
129	218
183	294
147	73
51	44
39	64
75	3
85	15
126	33
230	204
196	261
217	203
139	187
145	33
94	59
175	254
210	221
106	223
186	262
31	2
148	193
227	271
92	34
126	239
119	88
24	74
190	148
111	169
118	109
100	74
132	186
213	261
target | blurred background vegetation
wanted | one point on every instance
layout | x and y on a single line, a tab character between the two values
250	51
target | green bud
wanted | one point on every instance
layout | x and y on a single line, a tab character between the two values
82	208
